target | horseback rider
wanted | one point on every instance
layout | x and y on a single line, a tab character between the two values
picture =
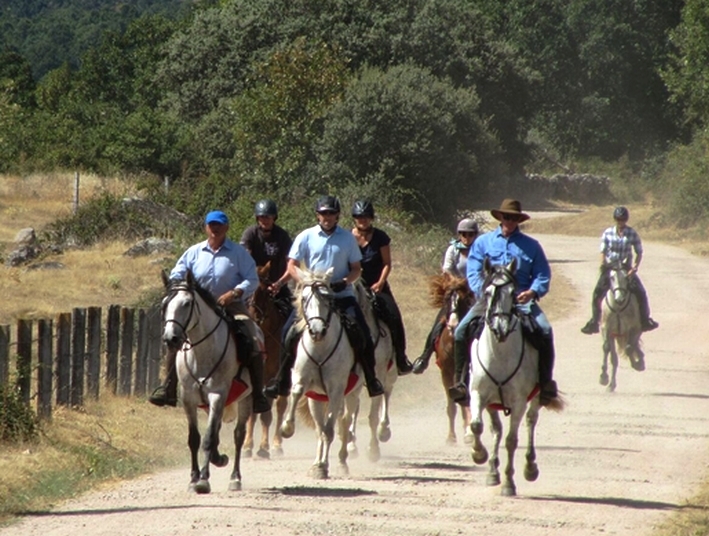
323	246
227	270
376	267
617	246
533	276
268	242
455	262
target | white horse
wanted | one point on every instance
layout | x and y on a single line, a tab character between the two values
323	363
210	376
620	326
504	377
387	373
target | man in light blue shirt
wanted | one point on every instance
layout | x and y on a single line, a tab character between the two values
228	272
319	248
533	275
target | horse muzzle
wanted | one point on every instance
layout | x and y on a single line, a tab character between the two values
174	342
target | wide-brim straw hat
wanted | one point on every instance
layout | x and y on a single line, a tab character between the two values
510	206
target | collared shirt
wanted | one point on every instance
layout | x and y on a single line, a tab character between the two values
616	247
455	261
533	271
320	251
228	268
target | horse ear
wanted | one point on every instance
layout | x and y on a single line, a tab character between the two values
165	278
190	278
512	266
486	264
329	272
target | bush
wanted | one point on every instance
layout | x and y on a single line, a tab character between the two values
18	423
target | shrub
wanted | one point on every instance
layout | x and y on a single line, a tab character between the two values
18	422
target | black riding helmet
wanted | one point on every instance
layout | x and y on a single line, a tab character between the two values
621	214
363	207
266	207
327	202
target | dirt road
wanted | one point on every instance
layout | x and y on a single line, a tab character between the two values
612	464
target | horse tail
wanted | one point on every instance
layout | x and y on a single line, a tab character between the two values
303	412
557	404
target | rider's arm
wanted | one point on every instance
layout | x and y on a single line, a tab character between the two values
355	271
385	252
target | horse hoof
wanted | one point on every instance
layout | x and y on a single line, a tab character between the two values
287	430
384	434
603	379
278	452
318	472
235	485
374	455
479	456
639	365
247	453
352	451
531	472
493	479
508	491
201	487
468	438
611	388
220	460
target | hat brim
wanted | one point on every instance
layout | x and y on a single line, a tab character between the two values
497	214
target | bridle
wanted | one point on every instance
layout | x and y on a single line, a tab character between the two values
321	290
623	293
490	313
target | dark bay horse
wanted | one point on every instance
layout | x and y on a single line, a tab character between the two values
452	295
270	318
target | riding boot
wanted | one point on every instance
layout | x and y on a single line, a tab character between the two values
398	339
647	323
281	384
366	360
421	363
461	357
548	389
166	394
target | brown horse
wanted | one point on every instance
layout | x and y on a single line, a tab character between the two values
270	319
452	295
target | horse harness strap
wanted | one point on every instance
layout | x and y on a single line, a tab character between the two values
506	409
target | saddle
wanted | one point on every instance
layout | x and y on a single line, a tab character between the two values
249	340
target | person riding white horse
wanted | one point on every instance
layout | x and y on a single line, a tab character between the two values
228	272
325	246
617	246
533	276
455	262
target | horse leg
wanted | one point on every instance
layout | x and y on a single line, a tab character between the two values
493	475
451	411
478	450
373	452
465	415
288	425
511	441
614	366
384	429
193	441
352	433
281	404
607	342
531	470
249	441
319	468
264	450
210	445
637	356
240	431
345	425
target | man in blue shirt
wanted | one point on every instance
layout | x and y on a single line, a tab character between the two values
228	272
533	275
325	246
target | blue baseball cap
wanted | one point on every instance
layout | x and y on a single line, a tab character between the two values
216	216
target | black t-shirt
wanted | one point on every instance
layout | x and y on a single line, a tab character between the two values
372	262
273	248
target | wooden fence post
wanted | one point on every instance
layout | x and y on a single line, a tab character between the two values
126	360
4	354
154	348
44	376
93	349
113	334
24	359
141	356
78	355
63	358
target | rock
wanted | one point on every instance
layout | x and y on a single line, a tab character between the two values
150	246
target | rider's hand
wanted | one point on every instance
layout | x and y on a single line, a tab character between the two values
376	288
338	286
226	298
526	296
275	288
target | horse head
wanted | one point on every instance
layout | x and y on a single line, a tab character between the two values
261	298
458	299
499	289
314	300
177	309
619	283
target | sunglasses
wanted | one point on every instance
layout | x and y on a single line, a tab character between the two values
510	217
327	212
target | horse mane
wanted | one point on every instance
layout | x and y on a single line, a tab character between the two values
440	286
309	279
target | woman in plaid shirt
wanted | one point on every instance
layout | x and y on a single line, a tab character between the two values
618	244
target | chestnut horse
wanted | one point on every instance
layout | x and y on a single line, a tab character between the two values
453	295
270	319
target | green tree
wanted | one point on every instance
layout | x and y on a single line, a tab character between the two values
409	130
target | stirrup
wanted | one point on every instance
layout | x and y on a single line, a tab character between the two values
649	325
420	365
548	393
160	398
459	393
405	368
